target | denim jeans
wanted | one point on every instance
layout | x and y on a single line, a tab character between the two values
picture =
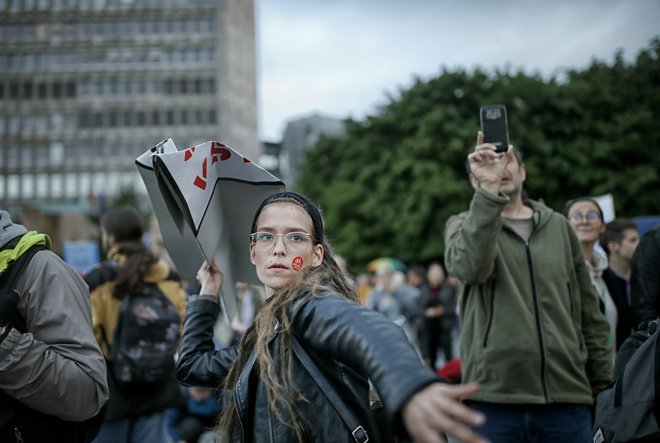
141	429
563	423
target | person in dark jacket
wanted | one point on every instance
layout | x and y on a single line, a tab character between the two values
135	413
274	398
646	278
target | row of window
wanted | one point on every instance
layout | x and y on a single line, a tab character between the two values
41	124
125	28
131	118
61	89
129	58
17	6
27	186
28	155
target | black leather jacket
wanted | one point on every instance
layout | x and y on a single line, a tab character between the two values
348	343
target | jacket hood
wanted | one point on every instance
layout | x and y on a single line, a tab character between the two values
8	229
598	262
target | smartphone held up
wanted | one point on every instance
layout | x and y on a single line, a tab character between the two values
494	126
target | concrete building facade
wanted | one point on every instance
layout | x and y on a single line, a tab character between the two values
88	85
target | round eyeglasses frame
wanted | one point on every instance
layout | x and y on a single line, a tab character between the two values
578	217
264	242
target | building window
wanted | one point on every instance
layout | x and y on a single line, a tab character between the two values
42	186
42	90
98	119
128	119
170	117
183	86
112	119
13	90
70	89
26	156
184	117
155	118
27	186
213	118
57	89
27	90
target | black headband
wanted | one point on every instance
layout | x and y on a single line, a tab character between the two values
303	201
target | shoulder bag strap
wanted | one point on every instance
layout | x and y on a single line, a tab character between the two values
11	275
358	432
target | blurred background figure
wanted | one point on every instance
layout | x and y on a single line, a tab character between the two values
364	287
586	219
620	241
193	422
135	412
440	317
396	301
249	302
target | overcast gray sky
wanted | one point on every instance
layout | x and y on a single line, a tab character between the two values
341	57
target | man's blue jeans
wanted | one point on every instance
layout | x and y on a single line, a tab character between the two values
554	423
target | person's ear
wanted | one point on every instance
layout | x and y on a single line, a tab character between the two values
319	253
523	171
252	252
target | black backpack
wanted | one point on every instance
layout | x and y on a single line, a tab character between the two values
18	422
628	410
145	339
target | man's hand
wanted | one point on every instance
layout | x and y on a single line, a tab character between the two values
488	167
437	409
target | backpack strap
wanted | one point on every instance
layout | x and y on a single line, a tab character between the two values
350	420
11	275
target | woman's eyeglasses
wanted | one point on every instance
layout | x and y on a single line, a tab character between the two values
293	241
578	217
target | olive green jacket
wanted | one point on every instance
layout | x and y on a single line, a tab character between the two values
532	331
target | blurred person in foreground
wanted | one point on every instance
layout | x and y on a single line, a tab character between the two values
309	305
52	374
532	334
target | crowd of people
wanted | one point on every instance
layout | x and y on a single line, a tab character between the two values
529	304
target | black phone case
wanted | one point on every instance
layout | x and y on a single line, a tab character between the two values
494	126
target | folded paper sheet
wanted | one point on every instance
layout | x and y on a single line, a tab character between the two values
204	199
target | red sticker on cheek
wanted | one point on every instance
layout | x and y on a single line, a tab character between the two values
297	263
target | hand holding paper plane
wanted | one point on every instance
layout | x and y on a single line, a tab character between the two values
204	198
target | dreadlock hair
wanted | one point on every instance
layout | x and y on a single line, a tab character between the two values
135	259
277	317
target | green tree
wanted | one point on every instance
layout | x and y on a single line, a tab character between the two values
388	186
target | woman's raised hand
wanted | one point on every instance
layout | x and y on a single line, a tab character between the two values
210	277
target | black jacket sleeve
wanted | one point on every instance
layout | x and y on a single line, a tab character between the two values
367	342
199	363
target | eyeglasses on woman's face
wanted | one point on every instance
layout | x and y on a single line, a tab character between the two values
578	217
293	241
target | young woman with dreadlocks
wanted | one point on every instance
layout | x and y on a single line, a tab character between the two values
273	396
